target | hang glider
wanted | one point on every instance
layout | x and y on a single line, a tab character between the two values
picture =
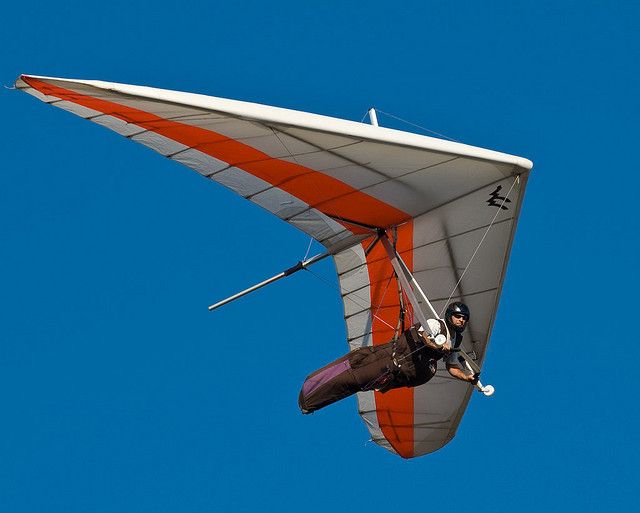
439	204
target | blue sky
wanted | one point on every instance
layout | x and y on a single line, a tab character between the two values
121	392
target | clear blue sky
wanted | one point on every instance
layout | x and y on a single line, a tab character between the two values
121	392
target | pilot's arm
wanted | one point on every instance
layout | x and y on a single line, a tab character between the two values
458	373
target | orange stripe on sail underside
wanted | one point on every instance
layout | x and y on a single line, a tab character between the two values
322	192
395	407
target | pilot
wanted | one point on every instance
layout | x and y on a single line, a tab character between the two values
409	361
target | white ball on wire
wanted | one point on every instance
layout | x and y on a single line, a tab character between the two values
488	390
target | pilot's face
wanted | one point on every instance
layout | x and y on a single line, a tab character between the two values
459	320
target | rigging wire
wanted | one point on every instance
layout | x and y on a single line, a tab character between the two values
284	145
308	249
382	298
401	359
380	378
349	296
416	125
517	180
363	305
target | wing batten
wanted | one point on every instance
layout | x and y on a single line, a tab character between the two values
318	190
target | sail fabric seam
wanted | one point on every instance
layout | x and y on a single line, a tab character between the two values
430	243
365	204
465	400
396	178
386	178
453	200
142	132
288	117
455	419
415	273
467	294
106	120
332	151
503	268
460	234
347	296
378	183
506	196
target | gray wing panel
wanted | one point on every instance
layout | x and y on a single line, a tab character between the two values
445	241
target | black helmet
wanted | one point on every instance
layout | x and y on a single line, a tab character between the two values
456	308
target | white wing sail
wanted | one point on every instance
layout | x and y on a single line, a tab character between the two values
340	181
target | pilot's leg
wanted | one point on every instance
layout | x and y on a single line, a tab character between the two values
365	368
333	382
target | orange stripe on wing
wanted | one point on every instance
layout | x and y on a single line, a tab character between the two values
320	191
395	407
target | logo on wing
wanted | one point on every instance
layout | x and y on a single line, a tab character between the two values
495	200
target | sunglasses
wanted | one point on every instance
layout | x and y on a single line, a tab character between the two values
460	316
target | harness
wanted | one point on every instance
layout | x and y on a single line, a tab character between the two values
456	346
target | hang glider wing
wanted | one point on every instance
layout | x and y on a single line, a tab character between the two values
339	181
